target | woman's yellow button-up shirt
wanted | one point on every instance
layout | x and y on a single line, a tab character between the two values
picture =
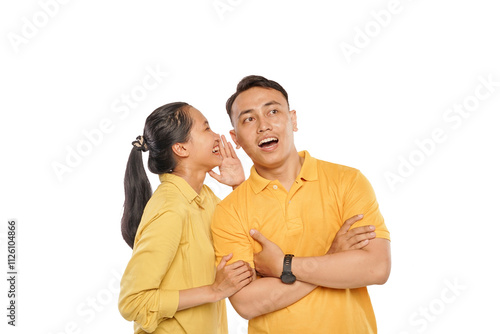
173	250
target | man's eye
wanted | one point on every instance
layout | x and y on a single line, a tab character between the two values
274	111
248	119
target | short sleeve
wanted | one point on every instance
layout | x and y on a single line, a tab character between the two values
230	236
359	198
141	299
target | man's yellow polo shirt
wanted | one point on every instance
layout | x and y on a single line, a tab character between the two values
173	251
303	222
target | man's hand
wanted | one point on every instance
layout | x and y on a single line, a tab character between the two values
269	262
347	239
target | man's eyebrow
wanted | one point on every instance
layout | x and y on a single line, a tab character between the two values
245	112
270	103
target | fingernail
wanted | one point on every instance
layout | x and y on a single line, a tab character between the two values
372	227
252	232
360	216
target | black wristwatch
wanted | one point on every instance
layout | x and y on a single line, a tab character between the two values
286	276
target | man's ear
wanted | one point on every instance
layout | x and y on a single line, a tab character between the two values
180	150
233	137
293	116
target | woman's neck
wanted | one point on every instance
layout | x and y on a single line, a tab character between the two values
194	178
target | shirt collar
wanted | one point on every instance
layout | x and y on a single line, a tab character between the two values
308	172
186	190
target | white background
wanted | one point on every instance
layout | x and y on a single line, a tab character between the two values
67	67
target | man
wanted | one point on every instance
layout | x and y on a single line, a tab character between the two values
299	203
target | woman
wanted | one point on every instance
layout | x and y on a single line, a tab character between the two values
171	284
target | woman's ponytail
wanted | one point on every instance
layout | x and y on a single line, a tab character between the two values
137	194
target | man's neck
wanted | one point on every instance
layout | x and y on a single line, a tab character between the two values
286	173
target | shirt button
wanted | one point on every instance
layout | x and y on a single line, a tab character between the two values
275	187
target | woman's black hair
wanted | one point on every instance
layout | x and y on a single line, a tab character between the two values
165	126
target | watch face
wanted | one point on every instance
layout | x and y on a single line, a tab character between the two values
288	278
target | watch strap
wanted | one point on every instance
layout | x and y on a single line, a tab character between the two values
287	264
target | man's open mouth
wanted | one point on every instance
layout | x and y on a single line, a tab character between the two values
266	142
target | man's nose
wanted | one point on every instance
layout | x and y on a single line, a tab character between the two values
264	125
